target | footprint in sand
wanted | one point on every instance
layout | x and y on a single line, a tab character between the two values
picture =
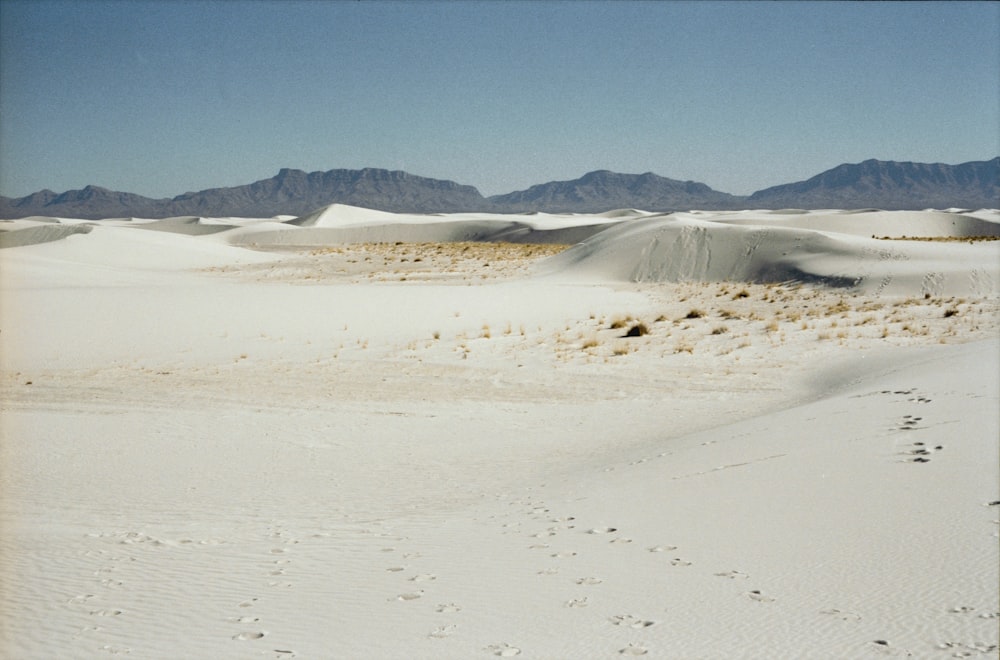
448	608
732	575
602	530
963	609
244	636
967	650
503	649
633	649
883	647
589	580
756	595
629	621
412	595
109	612
423	577
442	631
116	650
548	571
621	540
395	569
563	555
909	423
677	561
243	619
249	603
842	615
662	548
577	602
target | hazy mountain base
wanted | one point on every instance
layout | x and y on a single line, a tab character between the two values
878	184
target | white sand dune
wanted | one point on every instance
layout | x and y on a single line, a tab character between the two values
757	248
217	452
31	232
339	223
875	223
188	225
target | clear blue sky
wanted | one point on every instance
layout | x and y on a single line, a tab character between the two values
160	98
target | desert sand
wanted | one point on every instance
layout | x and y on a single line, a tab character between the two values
763	434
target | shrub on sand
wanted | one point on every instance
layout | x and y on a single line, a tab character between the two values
637	330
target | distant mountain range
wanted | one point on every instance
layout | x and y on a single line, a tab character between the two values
891	185
871	184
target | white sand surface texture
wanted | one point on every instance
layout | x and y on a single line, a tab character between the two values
763	434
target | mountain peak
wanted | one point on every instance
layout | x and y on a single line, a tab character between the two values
603	190
891	185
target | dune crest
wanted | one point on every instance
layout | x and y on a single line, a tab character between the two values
754	247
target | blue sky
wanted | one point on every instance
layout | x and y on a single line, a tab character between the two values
161	98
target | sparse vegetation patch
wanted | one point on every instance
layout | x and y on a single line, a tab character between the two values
638	330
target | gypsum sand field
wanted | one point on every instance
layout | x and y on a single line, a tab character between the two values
305	454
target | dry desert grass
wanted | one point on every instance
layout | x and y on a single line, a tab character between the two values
940	239
459	262
765	316
738	323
